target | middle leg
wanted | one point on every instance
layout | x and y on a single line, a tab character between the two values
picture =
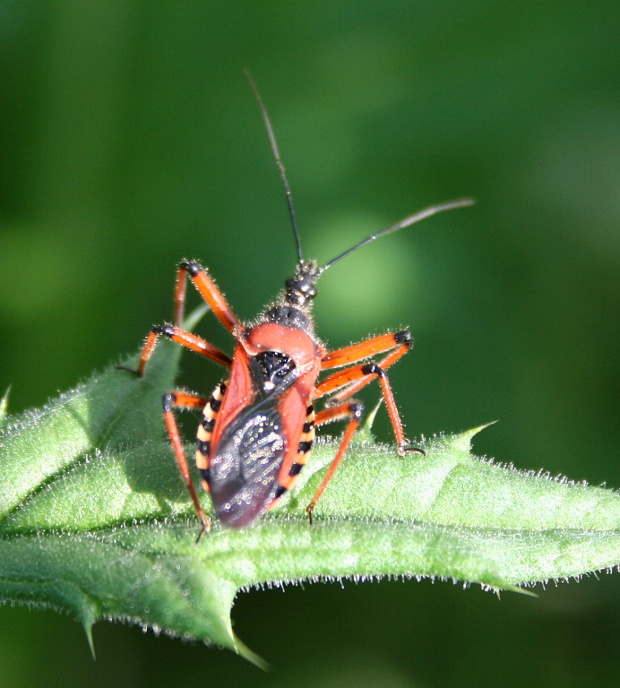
344	383
173	400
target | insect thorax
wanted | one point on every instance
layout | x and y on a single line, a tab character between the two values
289	316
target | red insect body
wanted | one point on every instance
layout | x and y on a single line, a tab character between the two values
256	434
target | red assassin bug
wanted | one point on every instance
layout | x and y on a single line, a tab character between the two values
257	427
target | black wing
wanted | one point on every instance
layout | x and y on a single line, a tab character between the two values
243	473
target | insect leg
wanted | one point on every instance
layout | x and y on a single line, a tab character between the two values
344	383
352	410
362	374
212	296
208	290
173	400
186	339
401	341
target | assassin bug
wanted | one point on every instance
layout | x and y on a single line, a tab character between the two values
257	427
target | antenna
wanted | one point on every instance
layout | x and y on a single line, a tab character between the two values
276	154
406	222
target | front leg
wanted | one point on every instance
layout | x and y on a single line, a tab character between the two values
216	301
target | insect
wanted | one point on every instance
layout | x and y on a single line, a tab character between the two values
258	425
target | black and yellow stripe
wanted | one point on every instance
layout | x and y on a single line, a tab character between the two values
306	439
205	429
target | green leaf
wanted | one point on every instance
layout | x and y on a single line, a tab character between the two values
4	407
95	520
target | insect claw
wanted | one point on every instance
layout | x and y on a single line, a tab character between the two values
205	526
135	373
404	448
309	510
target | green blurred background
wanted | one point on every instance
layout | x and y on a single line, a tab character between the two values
129	139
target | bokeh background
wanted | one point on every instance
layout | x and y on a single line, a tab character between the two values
129	139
